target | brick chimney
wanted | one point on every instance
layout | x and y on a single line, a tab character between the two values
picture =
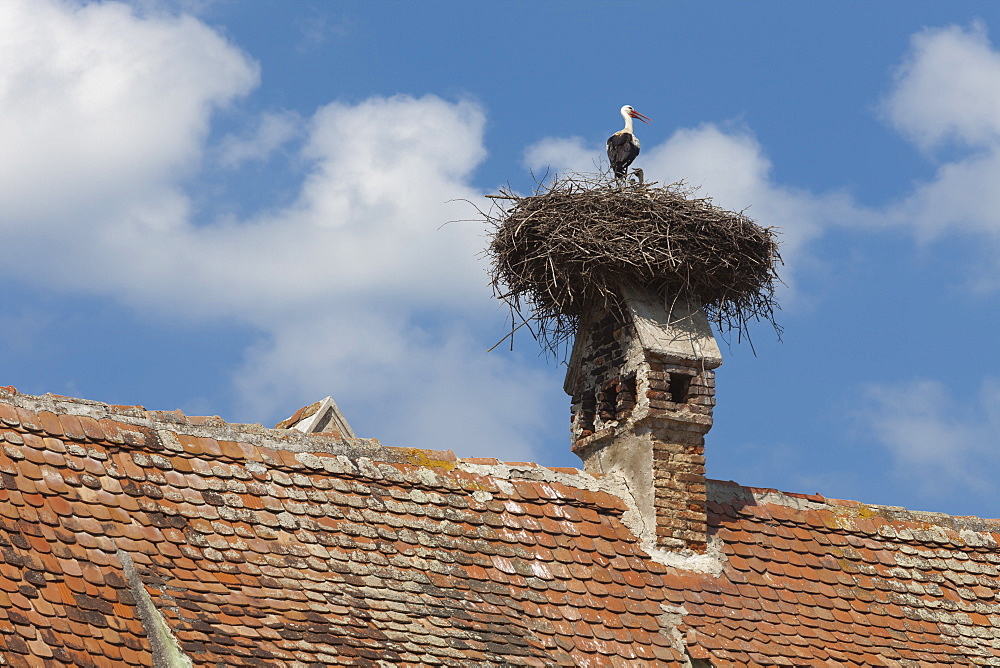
642	389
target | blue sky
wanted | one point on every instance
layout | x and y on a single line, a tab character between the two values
236	208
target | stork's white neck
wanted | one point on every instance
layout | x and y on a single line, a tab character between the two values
628	123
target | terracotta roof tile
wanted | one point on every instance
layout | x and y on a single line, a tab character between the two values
343	551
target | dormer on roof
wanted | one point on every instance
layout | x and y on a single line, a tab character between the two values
642	383
322	417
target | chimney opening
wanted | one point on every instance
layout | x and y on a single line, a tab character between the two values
626	396
680	384
588	414
607	402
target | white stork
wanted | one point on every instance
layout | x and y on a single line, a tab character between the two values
623	146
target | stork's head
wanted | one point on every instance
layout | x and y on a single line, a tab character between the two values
629	112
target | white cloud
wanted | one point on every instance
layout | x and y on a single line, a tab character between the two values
366	222
357	287
942	443
947	88
560	154
96	104
962	197
273	130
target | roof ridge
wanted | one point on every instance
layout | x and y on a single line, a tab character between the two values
292	440
48	407
220	429
725	491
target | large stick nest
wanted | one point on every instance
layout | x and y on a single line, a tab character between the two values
581	237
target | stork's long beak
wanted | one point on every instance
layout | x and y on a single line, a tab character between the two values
636	114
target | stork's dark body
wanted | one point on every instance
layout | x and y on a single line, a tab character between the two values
623	148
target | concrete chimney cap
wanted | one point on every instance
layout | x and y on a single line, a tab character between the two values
672	327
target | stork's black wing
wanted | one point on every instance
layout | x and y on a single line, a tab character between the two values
621	152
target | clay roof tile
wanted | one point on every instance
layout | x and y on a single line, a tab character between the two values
247	547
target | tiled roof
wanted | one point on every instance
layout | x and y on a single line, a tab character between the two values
811	581
260	556
268	547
